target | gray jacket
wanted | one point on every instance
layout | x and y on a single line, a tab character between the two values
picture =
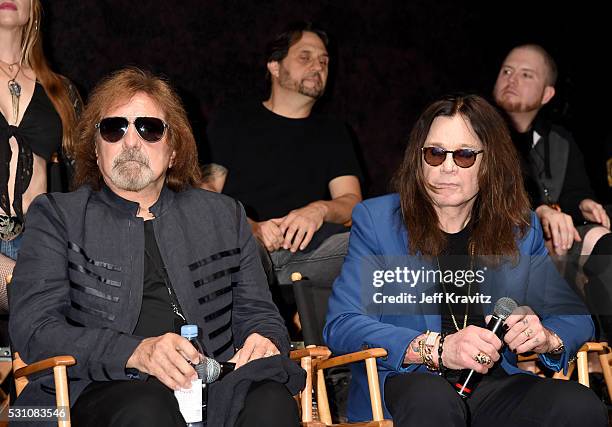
77	287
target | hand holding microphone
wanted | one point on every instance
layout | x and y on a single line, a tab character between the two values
481	351
463	349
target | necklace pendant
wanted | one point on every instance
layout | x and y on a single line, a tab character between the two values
14	88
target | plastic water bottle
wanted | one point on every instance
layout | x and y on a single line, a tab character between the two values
190	400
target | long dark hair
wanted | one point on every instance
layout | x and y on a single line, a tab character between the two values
502	205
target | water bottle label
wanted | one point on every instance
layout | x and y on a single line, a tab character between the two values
190	401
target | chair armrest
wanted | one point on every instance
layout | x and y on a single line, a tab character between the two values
42	365
352	357
600	347
527	357
318	351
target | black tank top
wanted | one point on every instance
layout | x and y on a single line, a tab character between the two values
39	132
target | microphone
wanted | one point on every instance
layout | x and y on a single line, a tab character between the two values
209	370
503	308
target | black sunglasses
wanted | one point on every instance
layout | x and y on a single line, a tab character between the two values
151	129
464	157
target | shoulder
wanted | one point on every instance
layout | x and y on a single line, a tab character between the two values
197	197
561	132
229	113
385	203
533	240
232	124
328	122
60	205
66	200
379	210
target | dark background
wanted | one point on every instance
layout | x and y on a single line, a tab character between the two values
390	58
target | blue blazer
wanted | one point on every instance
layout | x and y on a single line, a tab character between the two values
379	241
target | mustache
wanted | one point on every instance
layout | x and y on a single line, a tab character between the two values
313	74
131	155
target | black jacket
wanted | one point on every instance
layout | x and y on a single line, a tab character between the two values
554	169
77	286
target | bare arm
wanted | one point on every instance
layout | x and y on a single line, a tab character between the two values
345	192
299	225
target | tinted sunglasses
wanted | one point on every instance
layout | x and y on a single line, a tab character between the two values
464	157
151	129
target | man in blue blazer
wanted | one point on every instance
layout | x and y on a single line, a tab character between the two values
460	195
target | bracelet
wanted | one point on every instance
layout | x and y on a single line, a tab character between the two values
422	351
441	366
560	348
426	347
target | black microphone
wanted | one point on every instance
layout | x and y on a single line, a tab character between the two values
503	308
209	370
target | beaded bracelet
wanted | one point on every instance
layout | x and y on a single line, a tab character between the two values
441	368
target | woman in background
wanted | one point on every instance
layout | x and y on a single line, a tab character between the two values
38	113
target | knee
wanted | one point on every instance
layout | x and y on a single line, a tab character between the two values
572	403
268	404
409	399
596	237
599	259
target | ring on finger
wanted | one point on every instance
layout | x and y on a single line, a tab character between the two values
528	332
482	358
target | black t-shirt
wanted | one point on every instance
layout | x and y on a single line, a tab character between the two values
456	257
156	314
277	164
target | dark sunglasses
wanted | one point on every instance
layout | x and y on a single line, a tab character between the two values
151	129
464	157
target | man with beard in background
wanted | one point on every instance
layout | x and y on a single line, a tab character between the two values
574	224
295	171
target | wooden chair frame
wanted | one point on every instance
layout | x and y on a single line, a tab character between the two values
58	364
582	364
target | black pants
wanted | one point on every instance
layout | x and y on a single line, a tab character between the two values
421	399
152	404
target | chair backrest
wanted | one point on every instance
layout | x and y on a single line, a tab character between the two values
311	299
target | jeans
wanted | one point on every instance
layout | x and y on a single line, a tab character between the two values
10	248
321	265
